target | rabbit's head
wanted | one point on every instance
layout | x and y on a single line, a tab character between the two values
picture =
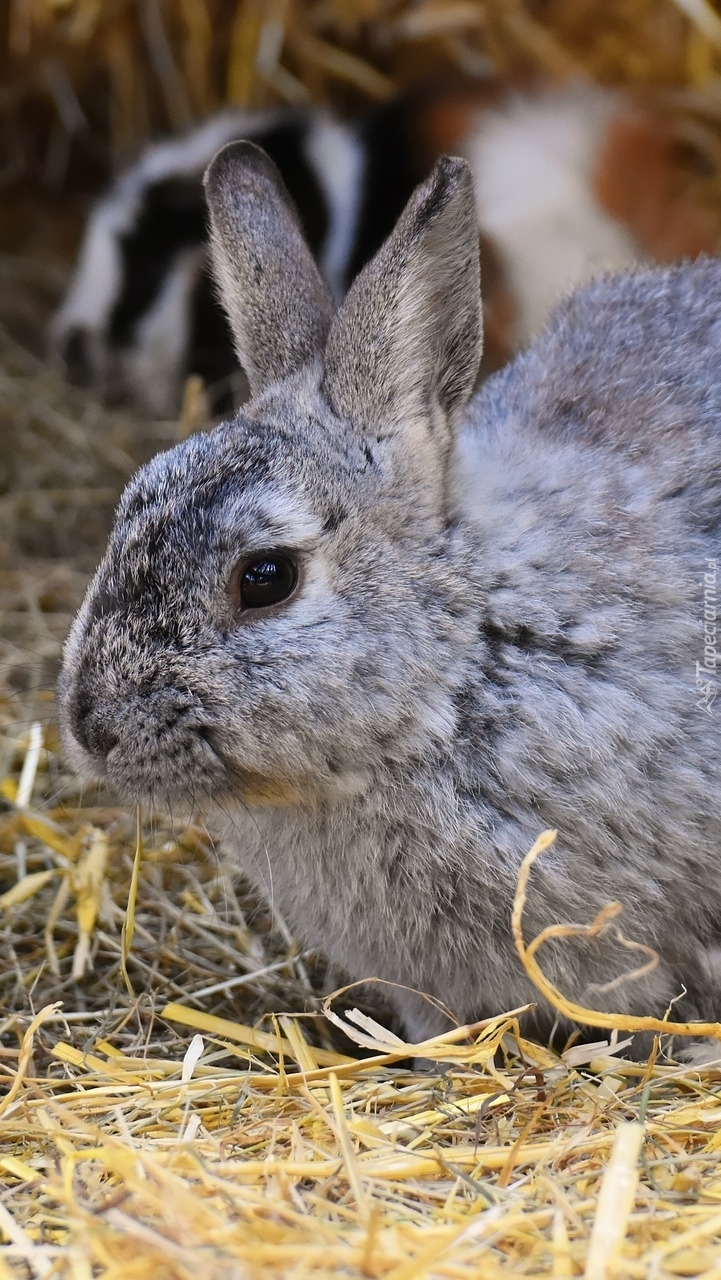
274	617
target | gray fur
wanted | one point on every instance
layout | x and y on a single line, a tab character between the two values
464	663
418	306
277	302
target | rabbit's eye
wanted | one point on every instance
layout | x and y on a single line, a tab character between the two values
267	580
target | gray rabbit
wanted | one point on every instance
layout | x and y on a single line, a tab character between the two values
387	632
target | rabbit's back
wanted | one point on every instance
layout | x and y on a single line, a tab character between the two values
592	474
591	487
627	364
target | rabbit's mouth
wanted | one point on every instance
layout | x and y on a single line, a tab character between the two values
187	778
198	775
161	749
155	747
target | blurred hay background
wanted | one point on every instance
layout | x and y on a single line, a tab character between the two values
122	1153
83	83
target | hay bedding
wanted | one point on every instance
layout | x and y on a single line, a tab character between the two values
160	1115
143	1135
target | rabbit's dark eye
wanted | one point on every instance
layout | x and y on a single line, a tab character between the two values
268	580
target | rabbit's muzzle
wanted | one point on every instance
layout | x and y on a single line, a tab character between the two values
156	744
160	746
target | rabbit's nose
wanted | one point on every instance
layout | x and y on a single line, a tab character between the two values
91	728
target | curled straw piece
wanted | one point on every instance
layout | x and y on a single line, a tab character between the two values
568	1008
26	1053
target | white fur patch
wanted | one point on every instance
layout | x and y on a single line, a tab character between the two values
97	277
336	154
283	511
532	161
190	154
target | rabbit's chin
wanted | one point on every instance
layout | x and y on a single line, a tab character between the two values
195	791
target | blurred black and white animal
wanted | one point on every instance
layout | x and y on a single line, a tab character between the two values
142	311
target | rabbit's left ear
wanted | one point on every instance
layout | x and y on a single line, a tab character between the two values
276	301
407	341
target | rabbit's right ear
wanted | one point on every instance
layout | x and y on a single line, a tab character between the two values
276	301
404	349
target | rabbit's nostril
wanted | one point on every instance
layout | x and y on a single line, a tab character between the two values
91	728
